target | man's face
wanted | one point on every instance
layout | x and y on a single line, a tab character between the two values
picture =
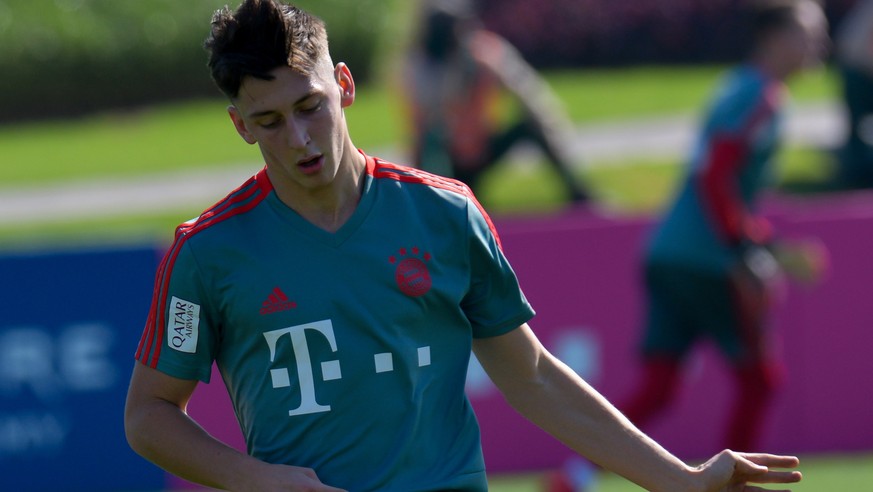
297	122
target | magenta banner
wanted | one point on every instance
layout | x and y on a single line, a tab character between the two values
581	272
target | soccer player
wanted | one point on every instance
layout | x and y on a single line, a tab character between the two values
711	260
455	75
340	297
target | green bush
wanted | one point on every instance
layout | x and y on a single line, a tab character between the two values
69	57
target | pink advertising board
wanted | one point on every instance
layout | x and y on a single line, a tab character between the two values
580	270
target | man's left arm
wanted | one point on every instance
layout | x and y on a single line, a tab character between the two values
549	394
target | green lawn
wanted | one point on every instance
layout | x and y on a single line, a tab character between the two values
825	473
198	134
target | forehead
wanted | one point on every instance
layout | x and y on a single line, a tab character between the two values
288	87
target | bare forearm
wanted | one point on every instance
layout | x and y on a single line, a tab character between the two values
552	396
163	434
586	422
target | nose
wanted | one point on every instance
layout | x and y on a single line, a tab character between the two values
296	134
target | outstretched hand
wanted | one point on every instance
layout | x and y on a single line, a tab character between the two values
730	471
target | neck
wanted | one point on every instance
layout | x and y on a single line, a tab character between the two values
330	206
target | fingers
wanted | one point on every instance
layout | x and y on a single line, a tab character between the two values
759	468
733	471
771	460
780	477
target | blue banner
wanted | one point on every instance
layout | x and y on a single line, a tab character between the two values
69	324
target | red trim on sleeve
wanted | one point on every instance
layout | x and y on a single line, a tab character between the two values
241	200
718	179
719	187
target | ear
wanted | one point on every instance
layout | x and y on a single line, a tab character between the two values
346	84
240	125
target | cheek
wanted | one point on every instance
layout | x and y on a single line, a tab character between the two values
272	145
330	127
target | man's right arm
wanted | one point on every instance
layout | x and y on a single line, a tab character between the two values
158	428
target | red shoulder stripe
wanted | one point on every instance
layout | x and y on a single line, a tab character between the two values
384	169
240	201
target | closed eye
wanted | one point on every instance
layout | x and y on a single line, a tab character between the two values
271	123
311	108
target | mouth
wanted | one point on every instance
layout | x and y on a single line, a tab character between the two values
310	164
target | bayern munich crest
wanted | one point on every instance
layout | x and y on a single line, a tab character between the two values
411	273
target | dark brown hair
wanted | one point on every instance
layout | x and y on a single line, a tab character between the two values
260	36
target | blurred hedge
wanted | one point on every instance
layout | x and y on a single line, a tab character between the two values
621	32
69	57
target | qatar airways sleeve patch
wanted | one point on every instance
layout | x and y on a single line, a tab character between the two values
183	325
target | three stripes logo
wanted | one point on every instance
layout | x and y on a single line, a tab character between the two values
277	301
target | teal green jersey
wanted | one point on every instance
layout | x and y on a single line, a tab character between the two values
715	210
345	352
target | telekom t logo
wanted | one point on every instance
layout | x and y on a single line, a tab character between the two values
330	370
383	363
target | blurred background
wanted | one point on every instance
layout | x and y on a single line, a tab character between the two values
112	133
65	58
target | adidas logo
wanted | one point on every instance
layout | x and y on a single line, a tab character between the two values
277	301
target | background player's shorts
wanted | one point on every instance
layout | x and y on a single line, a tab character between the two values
686	305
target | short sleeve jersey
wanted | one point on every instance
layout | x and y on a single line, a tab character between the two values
345	352
747	112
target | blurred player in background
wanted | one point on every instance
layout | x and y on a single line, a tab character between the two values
712	263
455	78
854	53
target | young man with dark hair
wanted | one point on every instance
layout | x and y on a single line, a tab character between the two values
340	297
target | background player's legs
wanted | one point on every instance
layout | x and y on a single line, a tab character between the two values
756	383
757	374
527	129
558	156
655	390
668	336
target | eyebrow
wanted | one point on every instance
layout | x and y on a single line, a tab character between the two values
312	93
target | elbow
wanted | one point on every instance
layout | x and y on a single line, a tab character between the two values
525	393
519	394
141	420
133	427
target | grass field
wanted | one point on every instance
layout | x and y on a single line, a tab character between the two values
826	473
198	134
